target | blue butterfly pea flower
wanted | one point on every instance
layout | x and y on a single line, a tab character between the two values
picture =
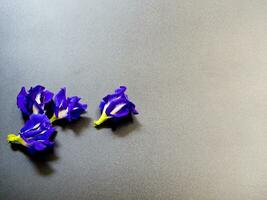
34	100
115	105
35	134
67	107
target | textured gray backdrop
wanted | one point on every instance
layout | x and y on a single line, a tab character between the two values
197	71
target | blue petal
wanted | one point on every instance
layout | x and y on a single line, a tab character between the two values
111	101
121	89
118	92
45	134
47	96
37	132
75	109
34	119
60	101
39	146
22	101
60	98
70	105
34	100
114	103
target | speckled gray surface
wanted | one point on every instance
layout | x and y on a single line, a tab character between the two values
197	71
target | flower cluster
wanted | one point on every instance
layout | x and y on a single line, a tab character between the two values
37	131
38	103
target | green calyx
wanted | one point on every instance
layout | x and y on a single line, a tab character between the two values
12	138
53	118
102	119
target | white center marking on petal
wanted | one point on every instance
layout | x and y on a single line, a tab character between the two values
108	103
61	103
105	107
117	108
38	98
75	108
35	110
42	132
63	113
36	127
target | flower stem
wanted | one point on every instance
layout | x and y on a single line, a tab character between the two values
15	139
53	118
102	118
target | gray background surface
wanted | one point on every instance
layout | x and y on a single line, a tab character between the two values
197	71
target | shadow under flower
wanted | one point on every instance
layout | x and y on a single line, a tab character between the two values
24	117
40	160
121	126
77	126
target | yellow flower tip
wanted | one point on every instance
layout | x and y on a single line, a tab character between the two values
98	122
102	119
12	138
95	123
53	118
